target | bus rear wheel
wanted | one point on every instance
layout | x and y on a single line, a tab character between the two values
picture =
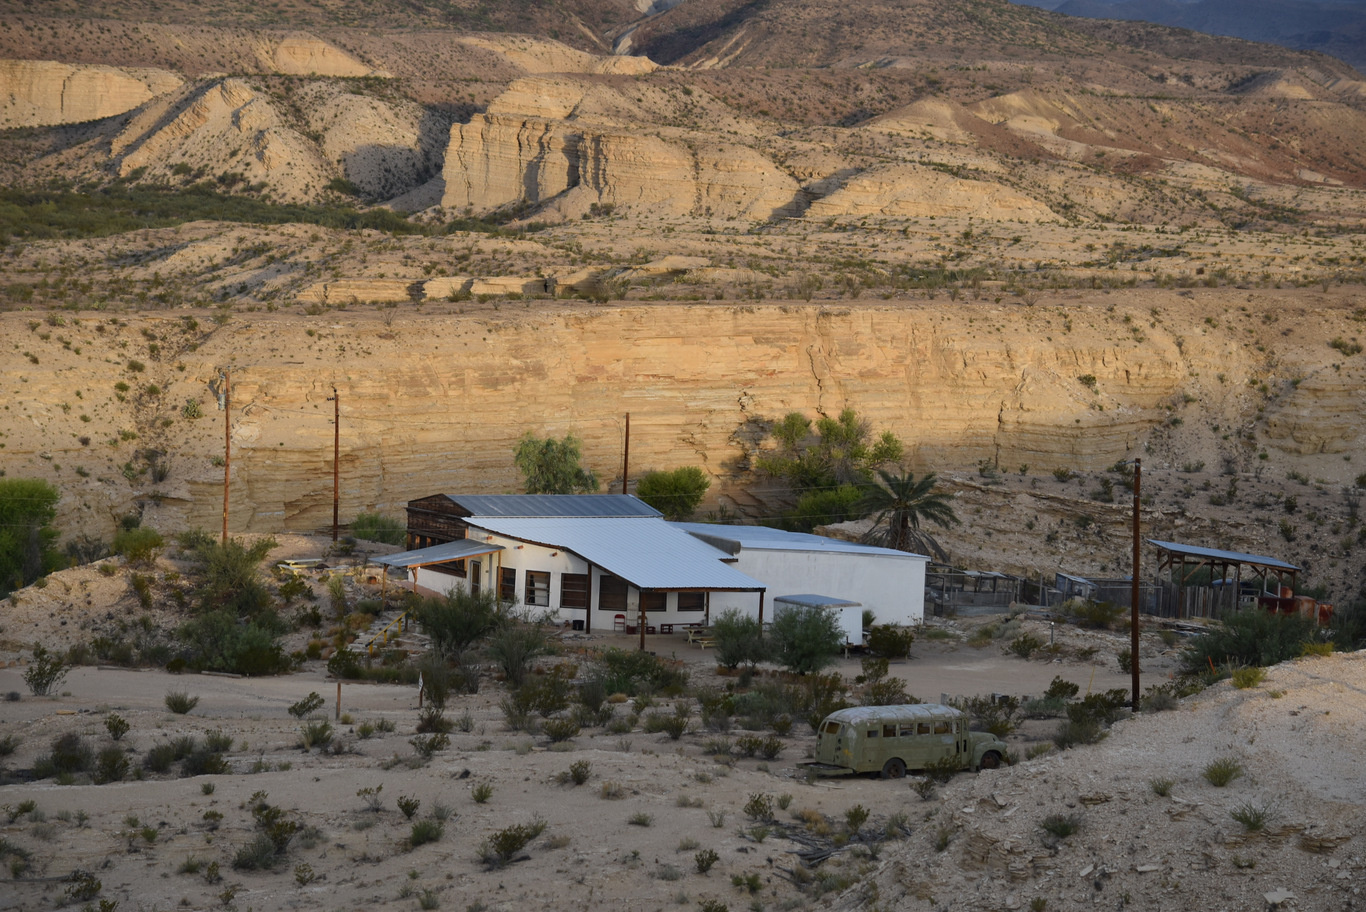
893	769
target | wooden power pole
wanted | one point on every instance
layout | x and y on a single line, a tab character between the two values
336	458
227	450
626	455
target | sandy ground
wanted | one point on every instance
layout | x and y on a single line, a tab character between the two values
1297	735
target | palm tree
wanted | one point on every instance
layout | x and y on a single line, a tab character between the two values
897	507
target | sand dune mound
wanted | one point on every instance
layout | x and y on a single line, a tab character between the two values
1279	84
912	191
540	55
937	118
302	54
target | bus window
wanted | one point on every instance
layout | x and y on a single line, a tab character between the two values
889	730
941	728
832	728
907	729
923	728
872	732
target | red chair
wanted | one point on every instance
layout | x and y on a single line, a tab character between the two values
619	622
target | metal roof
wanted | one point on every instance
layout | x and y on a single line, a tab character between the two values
919	712
645	551
1232	557
437	554
816	601
529	505
733	539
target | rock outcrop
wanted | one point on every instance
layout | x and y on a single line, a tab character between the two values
222	125
436	402
36	93
499	160
302	54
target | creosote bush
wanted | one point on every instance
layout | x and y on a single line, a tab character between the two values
502	847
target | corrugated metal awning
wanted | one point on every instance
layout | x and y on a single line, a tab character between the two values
438	554
645	551
1232	557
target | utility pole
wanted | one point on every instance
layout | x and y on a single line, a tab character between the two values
626	460
336	457
227	450
1133	595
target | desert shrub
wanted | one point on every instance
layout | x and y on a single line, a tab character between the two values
1221	772
408	806
1060	826
1253	816
759	807
674	724
457	621
503	845
180	702
346	664
739	639
886	692
1248	676
116	725
226	575
1158	698
46	671
1090	613
424	831
942	770
1248	637
1161	787
890	641
821	695
427	745
806	640
992	714
307	706
379	528
70	755
560	728
1125	657
315	733
514	645
1025	645
137	545
704	860
219	641
204	762
630	672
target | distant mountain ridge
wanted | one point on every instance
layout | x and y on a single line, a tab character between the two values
1336	27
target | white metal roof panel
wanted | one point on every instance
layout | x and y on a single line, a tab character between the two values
645	551
914	712
765	538
438	554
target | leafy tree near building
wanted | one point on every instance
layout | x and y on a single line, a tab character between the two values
27	538
806	640
828	463
676	494
552	466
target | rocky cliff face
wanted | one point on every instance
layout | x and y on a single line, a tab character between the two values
436	403
498	160
44	92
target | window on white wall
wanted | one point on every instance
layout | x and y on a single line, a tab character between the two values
692	601
537	588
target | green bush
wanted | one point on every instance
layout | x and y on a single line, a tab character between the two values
631	671
514	645
806	640
379	528
70	755
676	494
217	641
45	671
424	831
1221	772
1249	637
890	641
226	577
1060	826
502	846
739	639
1249	676
1090	613
457	621
111	765
137	545
180	702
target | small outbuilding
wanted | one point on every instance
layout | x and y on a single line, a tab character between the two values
889	583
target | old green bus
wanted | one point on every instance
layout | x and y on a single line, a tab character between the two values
893	739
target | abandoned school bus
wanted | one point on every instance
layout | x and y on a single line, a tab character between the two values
892	739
